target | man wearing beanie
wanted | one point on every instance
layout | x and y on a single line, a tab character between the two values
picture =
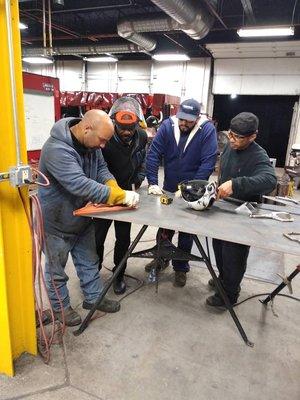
246	174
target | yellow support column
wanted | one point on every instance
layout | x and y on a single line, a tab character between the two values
17	318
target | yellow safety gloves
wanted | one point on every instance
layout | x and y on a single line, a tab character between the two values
117	195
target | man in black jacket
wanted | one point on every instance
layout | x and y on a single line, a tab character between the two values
246	173
125	155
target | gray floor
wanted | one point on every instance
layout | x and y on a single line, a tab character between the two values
168	345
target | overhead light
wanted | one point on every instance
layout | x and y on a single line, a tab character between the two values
38	60
265	31
101	59
170	57
22	26
233	96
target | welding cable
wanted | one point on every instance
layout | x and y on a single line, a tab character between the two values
43	336
45	339
265	294
37	233
44	242
47	183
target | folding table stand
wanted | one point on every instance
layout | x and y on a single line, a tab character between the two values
165	250
220	222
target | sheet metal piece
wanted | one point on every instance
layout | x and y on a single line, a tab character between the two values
220	222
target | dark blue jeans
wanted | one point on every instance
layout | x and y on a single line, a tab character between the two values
185	243
82	248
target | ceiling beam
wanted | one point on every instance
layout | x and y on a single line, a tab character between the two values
247	6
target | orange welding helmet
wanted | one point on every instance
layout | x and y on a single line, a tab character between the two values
126	120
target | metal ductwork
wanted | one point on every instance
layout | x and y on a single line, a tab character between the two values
127	31
79	50
193	19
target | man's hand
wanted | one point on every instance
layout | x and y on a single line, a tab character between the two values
155	189
225	190
131	198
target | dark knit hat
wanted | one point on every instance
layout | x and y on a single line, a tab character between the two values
244	124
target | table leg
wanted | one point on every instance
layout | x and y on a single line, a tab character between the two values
110	281
222	292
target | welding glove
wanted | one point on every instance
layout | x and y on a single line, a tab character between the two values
155	189
131	198
117	195
178	194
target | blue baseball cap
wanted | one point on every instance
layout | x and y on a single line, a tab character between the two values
189	110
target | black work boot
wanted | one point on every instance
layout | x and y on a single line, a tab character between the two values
71	317
119	284
155	264
212	285
180	278
108	306
217	301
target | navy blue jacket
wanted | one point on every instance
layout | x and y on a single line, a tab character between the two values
196	162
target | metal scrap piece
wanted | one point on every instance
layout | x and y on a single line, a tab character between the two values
278	216
290	236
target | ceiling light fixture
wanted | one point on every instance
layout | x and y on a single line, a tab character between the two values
233	96
266	31
23	26
38	60
101	59
170	57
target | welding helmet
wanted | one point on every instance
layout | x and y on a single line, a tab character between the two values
126	111
152	122
198	194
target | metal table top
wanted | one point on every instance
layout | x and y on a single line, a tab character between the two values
220	222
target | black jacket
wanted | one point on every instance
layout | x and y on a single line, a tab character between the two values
127	162
250	170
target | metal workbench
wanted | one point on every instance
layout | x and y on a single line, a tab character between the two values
220	222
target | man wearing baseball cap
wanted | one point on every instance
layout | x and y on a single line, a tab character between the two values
188	145
246	174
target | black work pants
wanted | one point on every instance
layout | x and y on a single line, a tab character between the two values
122	233
231	260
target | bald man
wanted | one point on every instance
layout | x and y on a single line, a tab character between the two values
72	160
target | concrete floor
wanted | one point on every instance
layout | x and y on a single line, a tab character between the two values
168	345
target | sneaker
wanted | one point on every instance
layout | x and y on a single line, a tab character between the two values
108	306
217	301
71	317
155	264
180	278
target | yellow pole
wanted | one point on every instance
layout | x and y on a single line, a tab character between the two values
17	319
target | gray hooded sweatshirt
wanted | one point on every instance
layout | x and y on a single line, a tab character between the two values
76	177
